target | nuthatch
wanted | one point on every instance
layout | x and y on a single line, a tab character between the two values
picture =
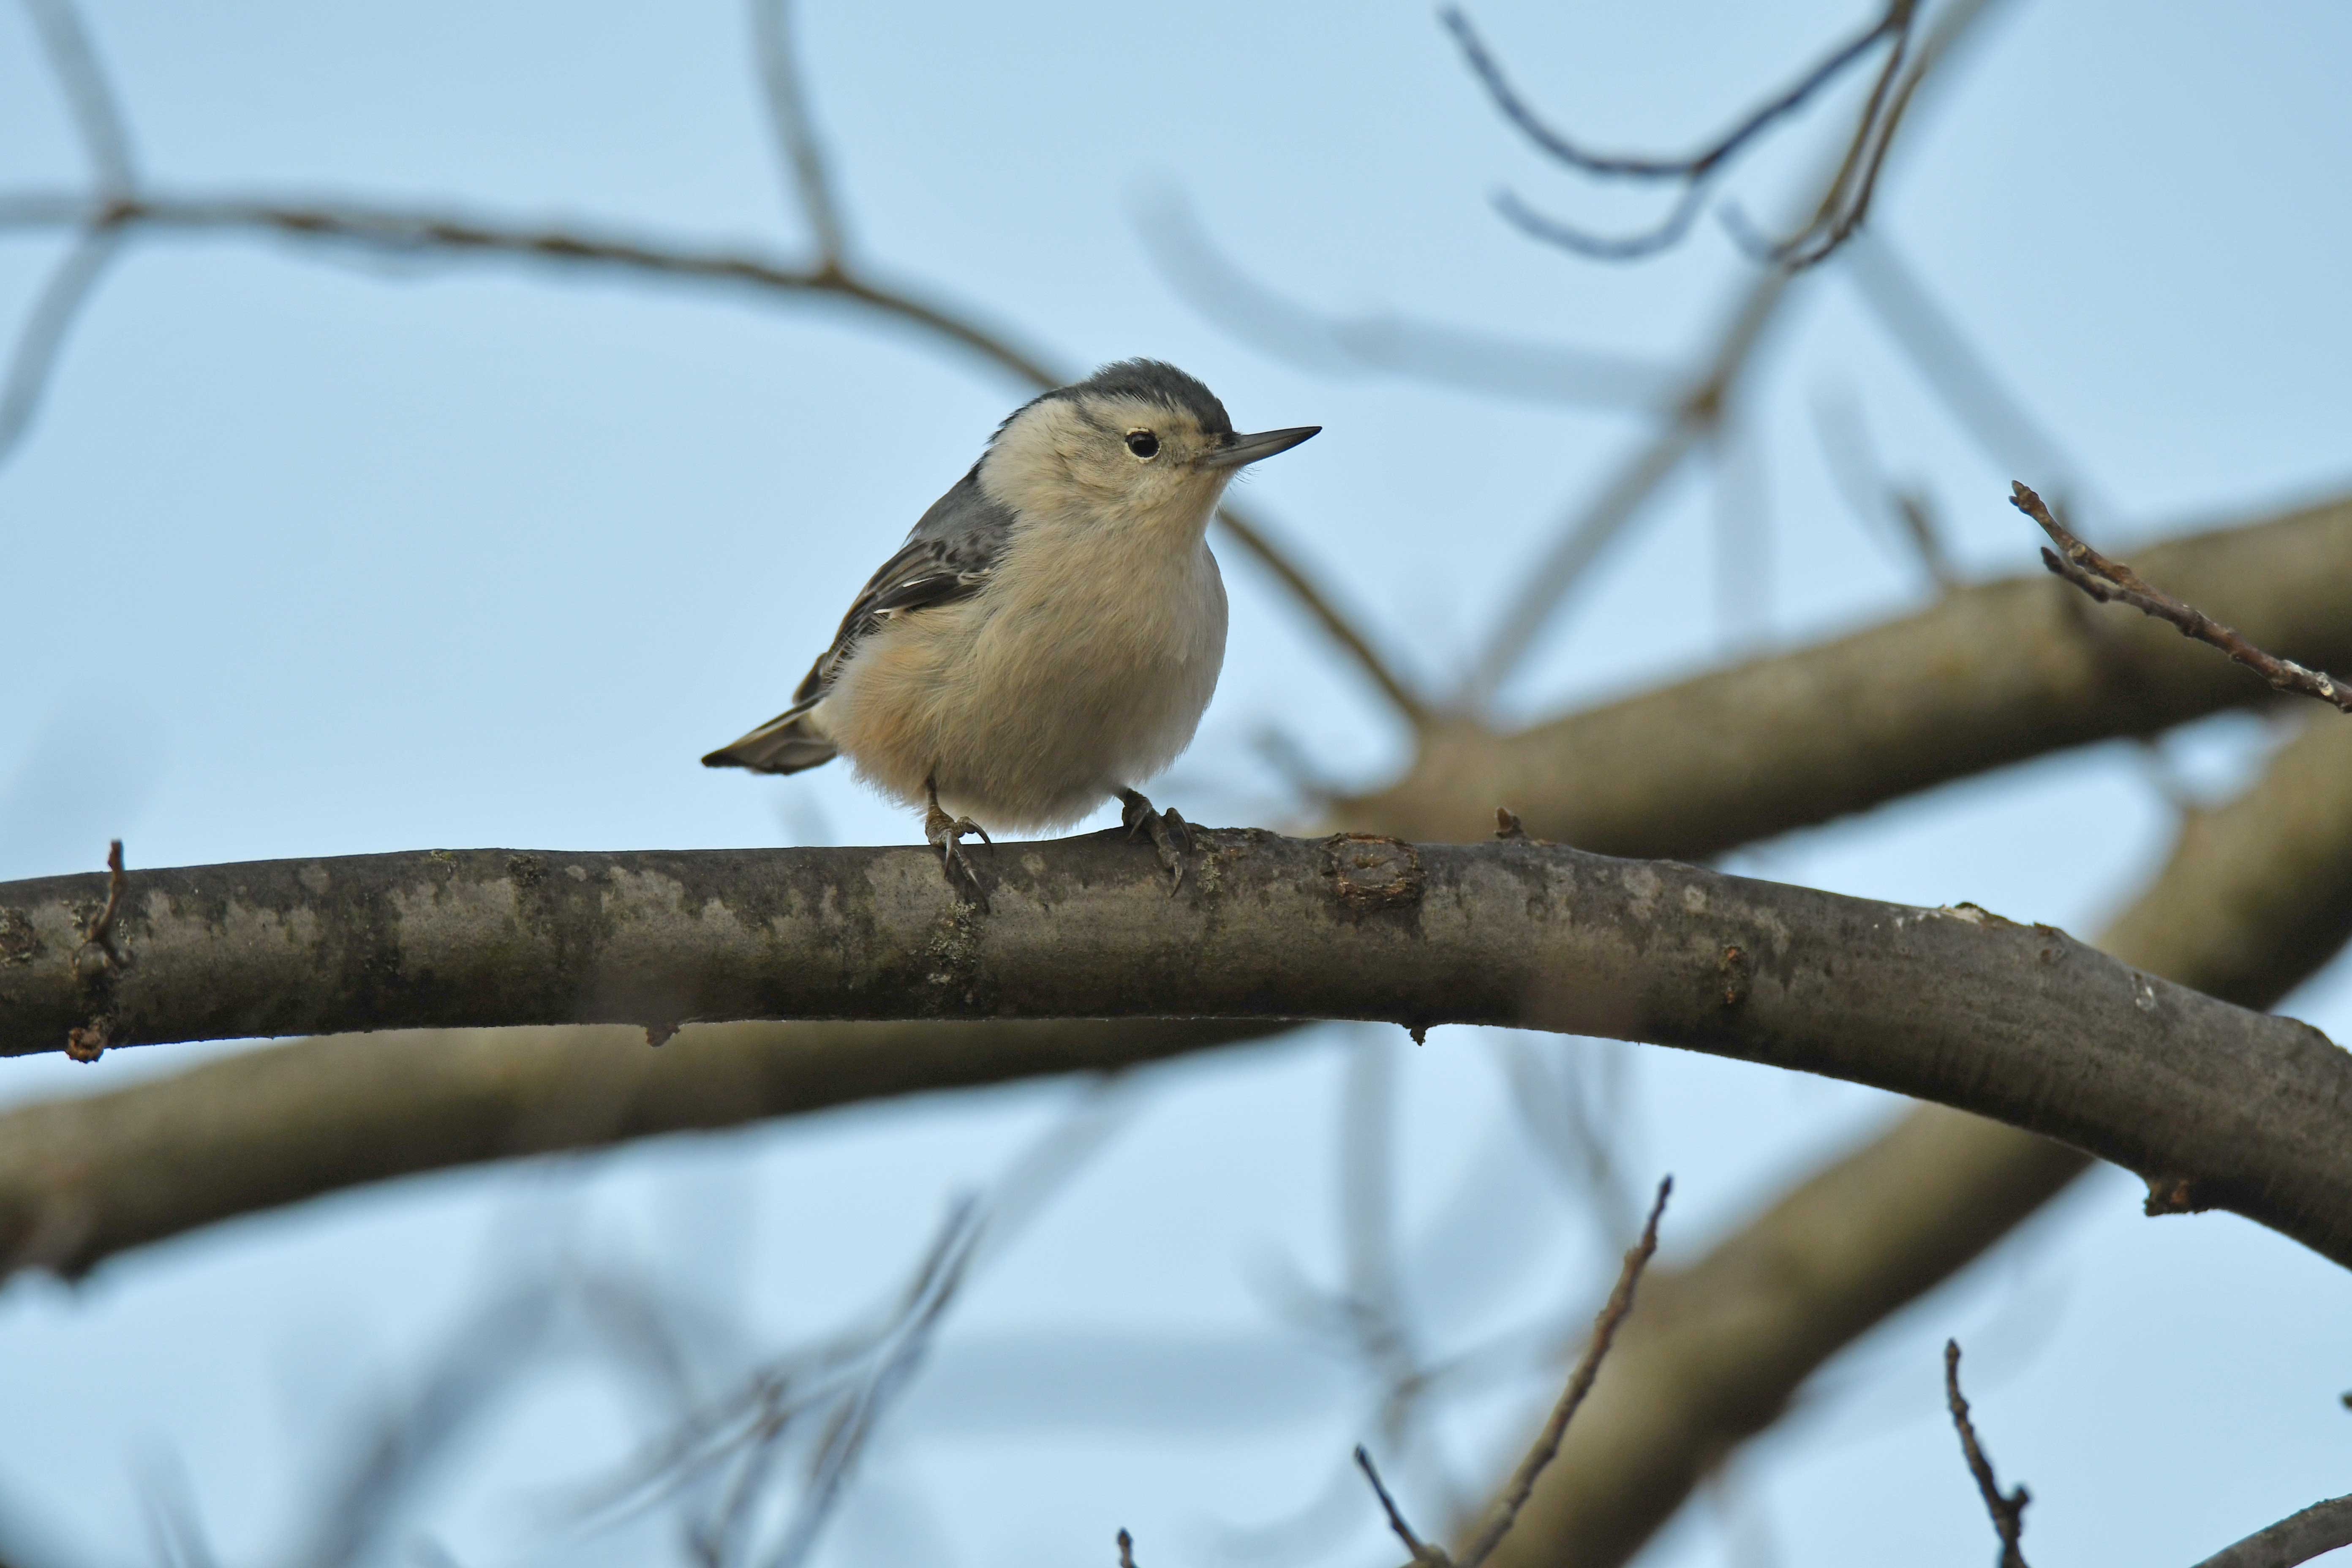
1051	631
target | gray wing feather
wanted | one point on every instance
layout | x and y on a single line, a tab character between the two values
947	556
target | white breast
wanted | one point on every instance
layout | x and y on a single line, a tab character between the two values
1083	667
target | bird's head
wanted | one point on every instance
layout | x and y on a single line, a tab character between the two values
1139	441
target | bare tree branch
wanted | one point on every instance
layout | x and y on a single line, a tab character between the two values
46	326
2228	1108
1684	772
1731	756
1613	1313
1635	482
1510	366
97	113
1694	172
84	1178
2008	1510
1418	1550
1877	501
2323	1527
2105	580
2255	897
796	139
1954	370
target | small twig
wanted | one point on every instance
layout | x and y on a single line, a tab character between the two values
1856	181
2008	1512
1506	365
46	324
1696	166
1613	1313
100	932
1954	367
2298	1537
1873	497
1696	171
1126	1550
2107	580
1422	1552
1251	536
97	114
796	139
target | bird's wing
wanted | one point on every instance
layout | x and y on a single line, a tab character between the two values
947	557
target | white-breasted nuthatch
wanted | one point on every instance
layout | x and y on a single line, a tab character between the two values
1050	633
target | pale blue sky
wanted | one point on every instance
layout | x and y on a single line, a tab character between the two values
316	557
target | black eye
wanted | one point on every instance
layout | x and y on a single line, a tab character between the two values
1143	444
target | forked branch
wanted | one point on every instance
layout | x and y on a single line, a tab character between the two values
2110	580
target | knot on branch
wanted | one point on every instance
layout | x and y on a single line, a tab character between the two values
2176	1194
1371	873
1739	972
19	943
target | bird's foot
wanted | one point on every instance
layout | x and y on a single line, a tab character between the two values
946	833
1170	834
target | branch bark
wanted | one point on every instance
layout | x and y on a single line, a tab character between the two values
1989	676
2298	1537
2230	1107
2253	898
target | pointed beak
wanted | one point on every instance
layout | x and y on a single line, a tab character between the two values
1246	449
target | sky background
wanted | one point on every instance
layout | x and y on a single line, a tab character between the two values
309	555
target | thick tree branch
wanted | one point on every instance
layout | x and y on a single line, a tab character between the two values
1989	676
2230	1108
84	1178
2253	898
2256	896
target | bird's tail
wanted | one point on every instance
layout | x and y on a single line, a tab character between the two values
790	741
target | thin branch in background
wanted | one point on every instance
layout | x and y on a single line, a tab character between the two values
1509	366
354	1514
1252	535
830	1398
1695	172
1421	1550
1613	1313
454	236
1555	1108
46	326
1957	371
1837	218
2007	1511
1743	537
1884	506
796	139
175	1525
2298	1537
2107	580
1591	527
90	97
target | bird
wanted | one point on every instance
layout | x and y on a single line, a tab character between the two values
1051	631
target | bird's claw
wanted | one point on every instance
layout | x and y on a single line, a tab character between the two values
1170	834
947	833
